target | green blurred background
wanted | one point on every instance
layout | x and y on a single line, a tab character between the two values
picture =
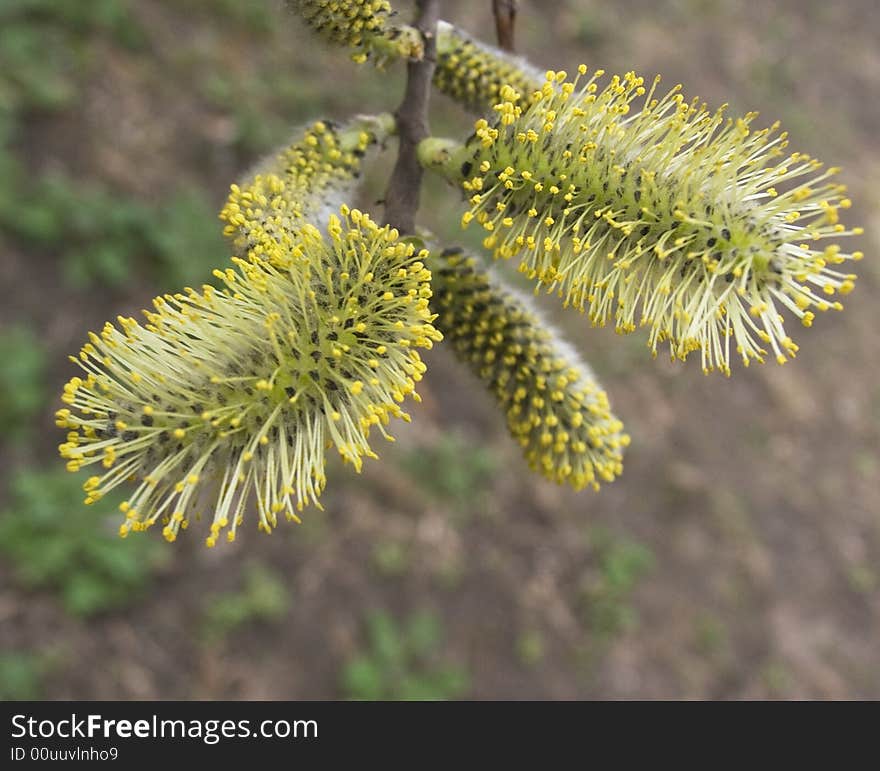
739	554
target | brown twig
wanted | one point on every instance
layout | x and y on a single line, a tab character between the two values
404	187
505	22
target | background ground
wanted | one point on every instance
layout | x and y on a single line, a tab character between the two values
739	555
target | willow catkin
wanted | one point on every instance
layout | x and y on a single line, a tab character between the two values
555	409
246	386
656	212
307	180
364	26
472	72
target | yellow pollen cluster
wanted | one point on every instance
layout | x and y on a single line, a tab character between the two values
472	73
305	181
361	25
555	409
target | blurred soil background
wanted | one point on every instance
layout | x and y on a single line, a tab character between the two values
737	557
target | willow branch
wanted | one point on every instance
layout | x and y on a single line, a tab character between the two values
505	22
404	187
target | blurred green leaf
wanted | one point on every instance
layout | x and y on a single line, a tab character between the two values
385	639
263	598
43	56
530	647
401	662
391	558
22	380
56	542
453	469
186	239
21	675
620	564
104	239
423	633
362	678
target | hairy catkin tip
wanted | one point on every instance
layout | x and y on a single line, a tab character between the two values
656	212
239	391
555	409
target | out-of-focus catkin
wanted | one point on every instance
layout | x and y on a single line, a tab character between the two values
472	72
364	26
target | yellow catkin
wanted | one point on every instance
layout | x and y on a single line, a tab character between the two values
305	181
653	211
472	72
240	390
364	26
555	409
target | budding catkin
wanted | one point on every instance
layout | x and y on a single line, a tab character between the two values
242	389
307	180
472	72
667	216
555	409
361	25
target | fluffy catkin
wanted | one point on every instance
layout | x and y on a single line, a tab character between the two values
364	26
241	390
306	180
555	409
472	72
666	216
